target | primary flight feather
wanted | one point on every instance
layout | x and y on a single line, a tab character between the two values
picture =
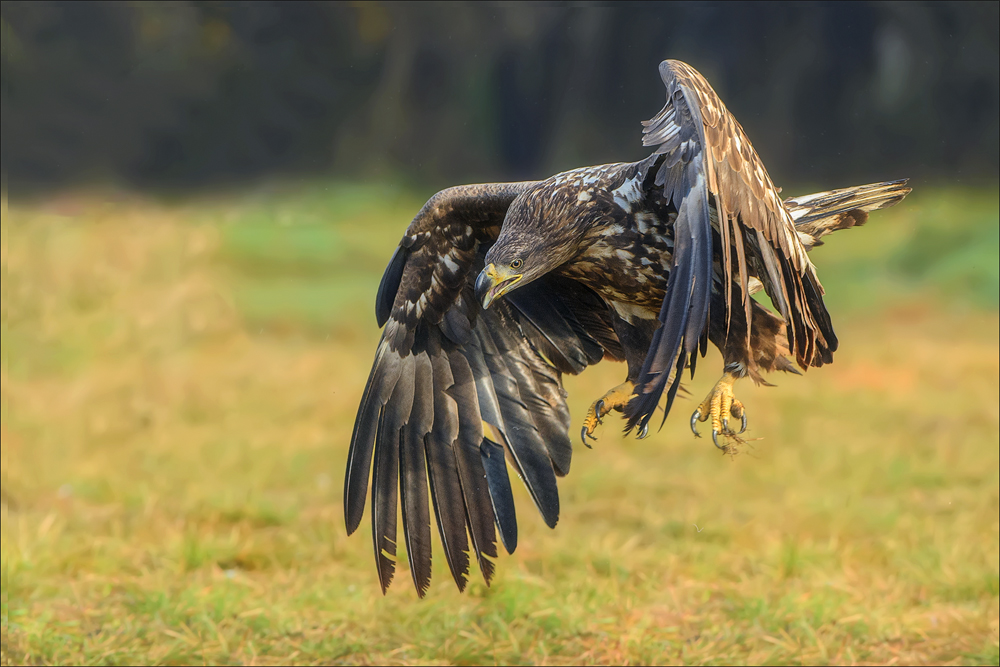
496	290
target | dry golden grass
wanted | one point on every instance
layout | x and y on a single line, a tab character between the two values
179	385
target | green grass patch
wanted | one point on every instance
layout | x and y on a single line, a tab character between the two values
942	245
179	387
305	260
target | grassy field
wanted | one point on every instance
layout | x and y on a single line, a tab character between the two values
179	385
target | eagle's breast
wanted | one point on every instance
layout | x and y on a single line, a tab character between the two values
627	260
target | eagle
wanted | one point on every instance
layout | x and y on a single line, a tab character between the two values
497	290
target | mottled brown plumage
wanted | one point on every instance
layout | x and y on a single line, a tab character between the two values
497	290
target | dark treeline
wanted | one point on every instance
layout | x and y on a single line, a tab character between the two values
155	95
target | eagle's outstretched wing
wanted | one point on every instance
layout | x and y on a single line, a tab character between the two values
709	166
454	389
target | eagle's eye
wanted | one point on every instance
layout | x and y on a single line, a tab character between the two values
516	264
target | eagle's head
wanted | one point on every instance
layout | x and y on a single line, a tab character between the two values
539	234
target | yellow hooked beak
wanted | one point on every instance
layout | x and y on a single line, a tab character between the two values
493	283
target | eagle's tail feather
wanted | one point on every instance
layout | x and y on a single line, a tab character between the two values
822	213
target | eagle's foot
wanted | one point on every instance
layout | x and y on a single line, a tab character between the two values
719	406
615	399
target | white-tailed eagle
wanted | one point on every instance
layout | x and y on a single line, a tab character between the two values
497	290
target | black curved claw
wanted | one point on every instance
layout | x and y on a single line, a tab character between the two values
694	421
597	410
584	435
644	431
744	427
725	427
715	439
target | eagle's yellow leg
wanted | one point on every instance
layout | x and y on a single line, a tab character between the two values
616	399
718	406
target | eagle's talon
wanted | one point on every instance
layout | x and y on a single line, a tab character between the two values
643	431
615	399
695	418
737	410
719	407
715	440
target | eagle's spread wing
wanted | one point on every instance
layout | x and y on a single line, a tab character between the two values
454	388
709	167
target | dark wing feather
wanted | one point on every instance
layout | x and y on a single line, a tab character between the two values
746	198
709	164
684	313
548	327
500	493
442	468
390	431
455	394
479	514
415	434
381	382
389	285
569	327
413	476
530	455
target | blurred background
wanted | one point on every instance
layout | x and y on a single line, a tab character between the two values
199	199
182	95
